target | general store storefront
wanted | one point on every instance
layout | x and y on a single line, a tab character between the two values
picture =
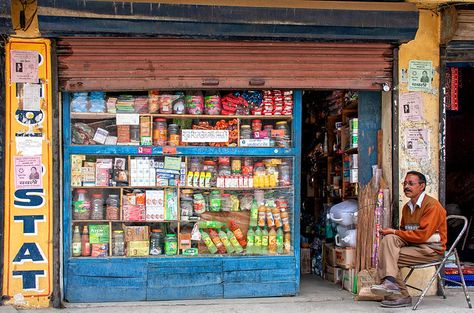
168	141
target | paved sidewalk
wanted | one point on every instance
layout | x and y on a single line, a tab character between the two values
316	295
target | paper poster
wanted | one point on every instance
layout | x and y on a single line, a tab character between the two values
411	106
24	66
417	142
420	75
32	97
28	172
128	119
29	145
204	135
172	163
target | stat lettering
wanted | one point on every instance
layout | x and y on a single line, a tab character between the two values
29	198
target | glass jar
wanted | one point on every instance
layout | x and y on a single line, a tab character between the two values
259	196
199	204
81	205
171	244
135	133
215	201
195	165
245	132
97	210
224	170
118	247
194	103
226	202
285	174
257	125
282	138
186	202
173	135
247	167
268	130
159	132
179	104
156	242
112	211
212	103
236	166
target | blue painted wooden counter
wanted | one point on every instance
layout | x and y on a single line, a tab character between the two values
173	278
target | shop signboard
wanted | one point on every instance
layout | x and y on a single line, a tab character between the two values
28	259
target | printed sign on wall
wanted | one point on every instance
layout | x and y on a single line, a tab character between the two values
28	258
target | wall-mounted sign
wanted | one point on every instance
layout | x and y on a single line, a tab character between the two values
204	135
420	75
24	66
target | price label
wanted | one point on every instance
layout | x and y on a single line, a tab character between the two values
145	150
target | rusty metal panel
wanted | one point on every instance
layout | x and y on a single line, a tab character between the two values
144	63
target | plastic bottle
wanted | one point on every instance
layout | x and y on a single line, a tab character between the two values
270	220
208	242
264	240
81	205
85	244
76	242
272	242
112	208
258	241
228	246
250	241
279	241
238	233
118	248
217	241
287	243
235	243
253	214
262	210
156	242
97	211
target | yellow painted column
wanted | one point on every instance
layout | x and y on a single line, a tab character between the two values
28	255
418	105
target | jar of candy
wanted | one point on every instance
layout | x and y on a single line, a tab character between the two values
212	103
235	206
268	129
179	104
195	165
224	160
259	169
81	205
257	125
236	166
194	103
156	242
245	132
171	244
159	132
199	204
285	174
282	134
215	201
118	248
259	196
97	211
173	135
247	167
135	133
112	209
186	202
226	202
224	170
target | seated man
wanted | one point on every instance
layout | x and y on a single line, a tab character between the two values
420	239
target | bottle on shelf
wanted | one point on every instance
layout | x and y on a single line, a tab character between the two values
118	248
235	243
76	242
258	241
250	241
210	224
238	233
228	246
279	241
85	244
272	244
156	242
264	240
253	214
112	208
208	242
287	243
217	241
81	205
97	211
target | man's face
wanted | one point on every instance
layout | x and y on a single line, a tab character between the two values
412	187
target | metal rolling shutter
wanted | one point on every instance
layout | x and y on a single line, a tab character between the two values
110	64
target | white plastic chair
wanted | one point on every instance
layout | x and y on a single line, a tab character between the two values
439	265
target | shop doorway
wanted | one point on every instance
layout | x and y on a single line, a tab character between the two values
459	152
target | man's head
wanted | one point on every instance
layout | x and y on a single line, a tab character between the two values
424	73
414	184
33	170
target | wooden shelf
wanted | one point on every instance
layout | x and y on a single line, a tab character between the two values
98	116
121	221
237	188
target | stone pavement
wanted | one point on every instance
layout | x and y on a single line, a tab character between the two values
316	295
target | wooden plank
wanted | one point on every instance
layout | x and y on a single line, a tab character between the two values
80	281
279	262
189	263
185	293
248	290
98	294
259	276
162	280
107	267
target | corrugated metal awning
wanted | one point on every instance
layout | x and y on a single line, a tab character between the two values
146	63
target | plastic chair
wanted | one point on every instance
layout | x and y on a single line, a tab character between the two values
439	265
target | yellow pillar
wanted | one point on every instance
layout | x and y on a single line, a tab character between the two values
422	155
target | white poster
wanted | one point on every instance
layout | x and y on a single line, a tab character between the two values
28	172
417	142
411	106
32	97
29	145
128	119
24	66
420	75
204	135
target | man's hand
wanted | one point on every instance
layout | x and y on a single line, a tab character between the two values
387	231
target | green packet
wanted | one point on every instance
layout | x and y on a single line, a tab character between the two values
190	251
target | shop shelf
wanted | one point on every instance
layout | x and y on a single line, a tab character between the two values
98	116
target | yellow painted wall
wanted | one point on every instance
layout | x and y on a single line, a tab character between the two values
425	46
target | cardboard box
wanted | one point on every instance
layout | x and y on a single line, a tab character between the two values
99	234
134	213
99	249
136	233
330	254
305	265
345	257
138	248
349	280
333	274
155	205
